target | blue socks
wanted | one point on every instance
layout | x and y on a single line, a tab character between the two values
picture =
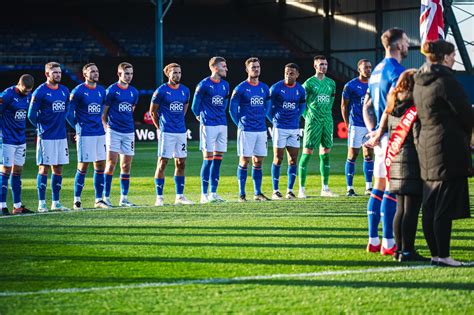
275	176
4	187
215	172
257	179
56	183
99	184
373	212
387	210
179	184
15	182
79	183
368	170
242	178
350	171
292	169
124	184
41	182
205	174
159	185
108	184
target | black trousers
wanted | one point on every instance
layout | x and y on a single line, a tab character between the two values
443	202
405	221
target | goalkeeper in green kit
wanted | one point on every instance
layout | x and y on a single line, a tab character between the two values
318	127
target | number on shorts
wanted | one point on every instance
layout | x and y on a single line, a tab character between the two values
183	147
298	137
67	151
132	145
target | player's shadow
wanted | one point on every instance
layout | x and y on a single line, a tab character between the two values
457	286
215	260
207	244
224	228
164	234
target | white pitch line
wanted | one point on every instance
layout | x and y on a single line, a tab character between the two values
217	280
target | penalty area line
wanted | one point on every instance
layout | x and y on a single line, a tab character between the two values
233	280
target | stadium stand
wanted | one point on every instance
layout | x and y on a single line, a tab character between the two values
28	42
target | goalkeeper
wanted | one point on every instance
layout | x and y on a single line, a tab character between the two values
318	129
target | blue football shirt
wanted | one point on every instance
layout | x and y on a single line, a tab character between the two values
355	91
121	103
88	106
14	108
383	78
210	102
288	104
249	105
50	106
172	102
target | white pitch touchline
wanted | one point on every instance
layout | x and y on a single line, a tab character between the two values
216	280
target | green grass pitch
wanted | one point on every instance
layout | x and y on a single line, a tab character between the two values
273	257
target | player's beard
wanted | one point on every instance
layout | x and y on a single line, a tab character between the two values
57	80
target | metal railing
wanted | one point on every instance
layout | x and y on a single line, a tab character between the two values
337	67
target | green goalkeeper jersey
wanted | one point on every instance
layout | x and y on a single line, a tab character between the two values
319	98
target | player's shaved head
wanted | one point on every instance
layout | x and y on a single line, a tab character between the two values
170	66
214	61
27	81
361	61
51	65
364	67
293	66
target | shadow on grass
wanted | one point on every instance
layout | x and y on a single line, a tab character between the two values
130	233
213	260
196	244
172	227
458	286
224	228
74	280
185	244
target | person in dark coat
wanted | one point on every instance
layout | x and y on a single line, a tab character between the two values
446	120
405	180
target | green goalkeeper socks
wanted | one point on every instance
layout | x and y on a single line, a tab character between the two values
324	167
303	168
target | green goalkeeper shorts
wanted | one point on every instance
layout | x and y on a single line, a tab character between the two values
317	133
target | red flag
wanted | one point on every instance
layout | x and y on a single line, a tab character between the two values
431	21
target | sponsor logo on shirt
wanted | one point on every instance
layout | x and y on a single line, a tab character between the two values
289	105
58	106
256	101
93	108
176	106
217	100
125	107
323	98
20	115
